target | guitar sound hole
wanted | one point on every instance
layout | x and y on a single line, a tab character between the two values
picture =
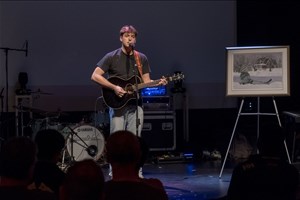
129	89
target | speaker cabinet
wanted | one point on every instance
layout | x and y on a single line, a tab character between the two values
159	131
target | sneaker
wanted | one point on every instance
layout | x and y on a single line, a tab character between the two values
141	173
110	174
216	155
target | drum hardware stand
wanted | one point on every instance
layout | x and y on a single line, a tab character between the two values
20	110
71	153
258	113
46	122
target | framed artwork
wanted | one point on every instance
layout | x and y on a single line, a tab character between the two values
258	71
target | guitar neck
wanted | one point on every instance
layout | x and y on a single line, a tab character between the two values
155	82
150	84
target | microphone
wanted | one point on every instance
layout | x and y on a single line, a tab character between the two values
26	46
131	45
92	150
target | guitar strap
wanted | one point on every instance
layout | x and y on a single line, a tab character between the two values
138	63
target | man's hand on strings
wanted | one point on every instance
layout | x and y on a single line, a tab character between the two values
119	91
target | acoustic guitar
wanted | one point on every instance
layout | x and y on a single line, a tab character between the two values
129	85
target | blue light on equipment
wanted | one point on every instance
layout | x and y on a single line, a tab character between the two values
154	91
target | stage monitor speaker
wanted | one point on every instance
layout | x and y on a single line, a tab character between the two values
159	130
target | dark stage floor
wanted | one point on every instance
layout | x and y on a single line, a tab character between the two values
187	181
190	180
195	180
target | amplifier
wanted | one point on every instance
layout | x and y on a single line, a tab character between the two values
157	103
159	131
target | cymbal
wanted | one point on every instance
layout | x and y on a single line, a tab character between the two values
56	113
41	112
28	109
41	92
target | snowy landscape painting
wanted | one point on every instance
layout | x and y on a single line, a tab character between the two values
258	71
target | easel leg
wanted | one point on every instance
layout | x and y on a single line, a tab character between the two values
229	145
285	146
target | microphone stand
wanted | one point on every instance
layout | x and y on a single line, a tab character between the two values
1	114
137	123
6	66
6	49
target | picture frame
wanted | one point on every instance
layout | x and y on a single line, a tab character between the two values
258	71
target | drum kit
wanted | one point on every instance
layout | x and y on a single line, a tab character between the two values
83	140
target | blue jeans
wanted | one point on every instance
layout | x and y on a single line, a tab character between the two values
125	119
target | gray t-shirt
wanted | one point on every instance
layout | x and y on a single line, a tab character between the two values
117	63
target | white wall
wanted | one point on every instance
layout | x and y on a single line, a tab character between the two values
67	38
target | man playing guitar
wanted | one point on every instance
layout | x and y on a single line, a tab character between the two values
125	63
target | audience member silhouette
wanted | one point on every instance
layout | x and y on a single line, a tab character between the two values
84	181
17	160
144	155
124	154
266	175
50	144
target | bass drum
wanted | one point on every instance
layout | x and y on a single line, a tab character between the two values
85	142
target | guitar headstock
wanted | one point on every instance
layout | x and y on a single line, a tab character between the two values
176	77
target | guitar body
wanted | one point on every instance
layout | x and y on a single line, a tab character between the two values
112	100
